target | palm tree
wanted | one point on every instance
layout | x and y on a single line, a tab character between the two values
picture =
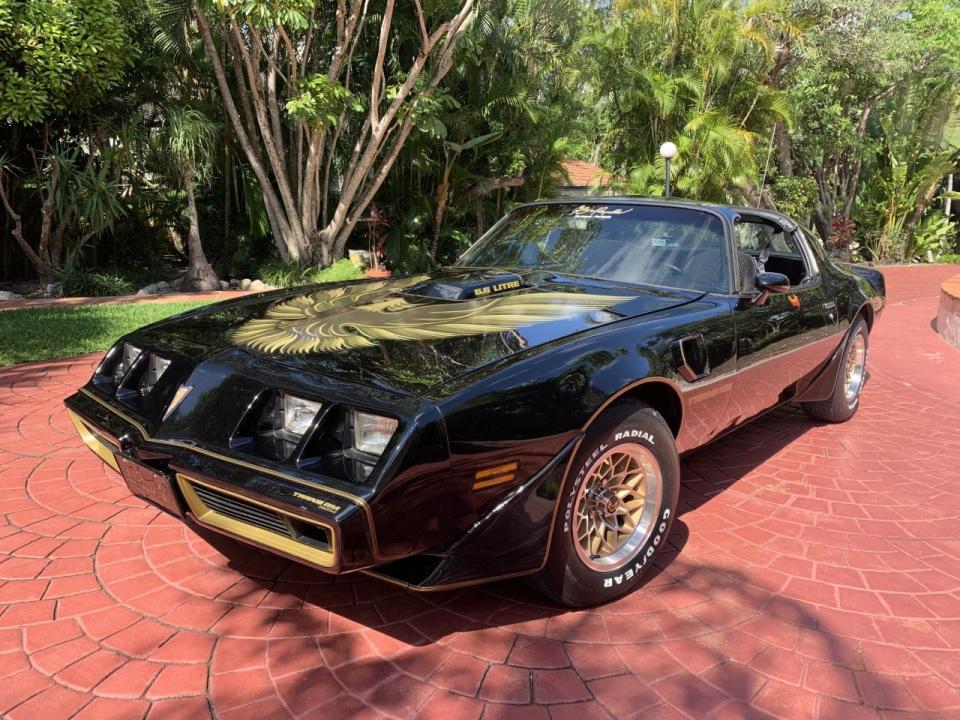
190	140
690	71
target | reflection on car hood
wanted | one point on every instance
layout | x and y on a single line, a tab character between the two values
411	333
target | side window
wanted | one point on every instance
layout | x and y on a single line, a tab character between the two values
751	236
773	249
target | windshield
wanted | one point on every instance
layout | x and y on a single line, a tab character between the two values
645	244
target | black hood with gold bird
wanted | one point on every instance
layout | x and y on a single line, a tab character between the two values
415	332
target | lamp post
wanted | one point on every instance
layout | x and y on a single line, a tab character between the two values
668	151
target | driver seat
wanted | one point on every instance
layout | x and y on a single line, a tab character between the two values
747	267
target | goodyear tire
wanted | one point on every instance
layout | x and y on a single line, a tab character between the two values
851	378
616	507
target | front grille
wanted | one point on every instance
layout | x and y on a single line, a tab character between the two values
242	511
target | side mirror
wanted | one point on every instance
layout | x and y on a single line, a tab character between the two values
772	283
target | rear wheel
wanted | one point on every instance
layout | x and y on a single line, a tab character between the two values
845	400
616	509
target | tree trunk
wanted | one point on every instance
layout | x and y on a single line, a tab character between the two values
200	275
757	197
442	193
822	223
295	217
46	272
784	150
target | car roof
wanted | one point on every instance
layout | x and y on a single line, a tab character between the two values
732	212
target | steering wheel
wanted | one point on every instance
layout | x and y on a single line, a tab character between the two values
545	254
674	270
671	266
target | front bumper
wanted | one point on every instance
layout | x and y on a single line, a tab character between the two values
272	509
327	527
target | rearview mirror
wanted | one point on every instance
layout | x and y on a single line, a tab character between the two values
773	282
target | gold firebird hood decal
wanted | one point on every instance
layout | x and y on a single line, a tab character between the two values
360	316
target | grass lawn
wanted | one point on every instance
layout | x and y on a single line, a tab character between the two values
48	333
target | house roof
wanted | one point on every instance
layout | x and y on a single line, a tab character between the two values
584	174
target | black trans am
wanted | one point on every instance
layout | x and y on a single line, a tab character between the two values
518	413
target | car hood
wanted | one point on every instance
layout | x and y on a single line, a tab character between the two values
408	334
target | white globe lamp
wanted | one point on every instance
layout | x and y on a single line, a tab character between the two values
668	151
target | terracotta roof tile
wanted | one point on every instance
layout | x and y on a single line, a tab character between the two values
584	174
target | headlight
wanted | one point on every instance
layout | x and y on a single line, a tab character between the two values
298	413
155	368
284	421
372	433
128	356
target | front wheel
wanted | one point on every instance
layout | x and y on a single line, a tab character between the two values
845	400
616	508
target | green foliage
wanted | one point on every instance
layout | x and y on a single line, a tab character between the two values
283	274
691	73
337	272
190	140
934	237
795	196
46	334
119	99
86	194
321	100
294	14
427	110
912	160
57	56
493	134
79	282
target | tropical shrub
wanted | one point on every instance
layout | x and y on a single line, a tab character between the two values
287	274
80	282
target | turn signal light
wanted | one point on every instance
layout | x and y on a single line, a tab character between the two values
498	475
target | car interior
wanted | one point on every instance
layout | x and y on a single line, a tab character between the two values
671	253
771	249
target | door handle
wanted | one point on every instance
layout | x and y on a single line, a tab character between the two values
690	357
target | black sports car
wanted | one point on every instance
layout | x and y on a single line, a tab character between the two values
518	413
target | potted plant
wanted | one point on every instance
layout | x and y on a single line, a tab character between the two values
375	243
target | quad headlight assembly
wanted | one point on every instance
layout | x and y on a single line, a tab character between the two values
130	372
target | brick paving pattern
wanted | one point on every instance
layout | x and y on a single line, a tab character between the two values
814	572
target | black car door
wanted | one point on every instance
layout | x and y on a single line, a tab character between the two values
782	339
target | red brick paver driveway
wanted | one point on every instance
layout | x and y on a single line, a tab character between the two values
814	572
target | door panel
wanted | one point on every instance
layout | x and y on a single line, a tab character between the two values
786	338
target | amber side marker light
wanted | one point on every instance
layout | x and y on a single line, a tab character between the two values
498	475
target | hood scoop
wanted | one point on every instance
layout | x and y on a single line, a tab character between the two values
467	286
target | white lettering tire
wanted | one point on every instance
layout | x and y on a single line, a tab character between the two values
569	577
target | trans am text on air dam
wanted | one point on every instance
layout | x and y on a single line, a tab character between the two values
518	413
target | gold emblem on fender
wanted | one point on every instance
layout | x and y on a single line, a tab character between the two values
355	316
328	506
